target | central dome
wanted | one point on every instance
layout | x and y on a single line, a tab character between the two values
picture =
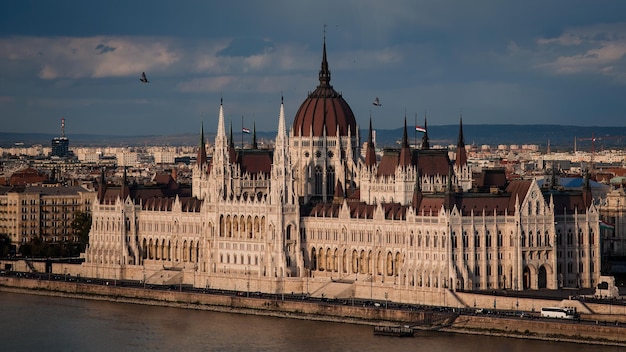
324	110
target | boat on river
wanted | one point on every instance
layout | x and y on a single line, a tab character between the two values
398	331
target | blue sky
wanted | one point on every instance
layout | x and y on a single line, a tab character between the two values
500	62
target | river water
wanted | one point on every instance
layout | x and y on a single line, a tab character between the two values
42	323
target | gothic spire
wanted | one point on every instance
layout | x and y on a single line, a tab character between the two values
221	130
254	143
282	132
405	151
125	190
370	153
417	192
102	186
231	140
461	153
425	142
201	158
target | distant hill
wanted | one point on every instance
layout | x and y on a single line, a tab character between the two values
560	137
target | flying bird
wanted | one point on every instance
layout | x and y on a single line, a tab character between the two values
377	102
143	78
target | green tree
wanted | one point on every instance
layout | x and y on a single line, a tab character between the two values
81	226
5	245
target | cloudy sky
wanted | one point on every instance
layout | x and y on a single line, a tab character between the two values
499	62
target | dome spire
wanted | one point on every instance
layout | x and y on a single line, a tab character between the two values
324	71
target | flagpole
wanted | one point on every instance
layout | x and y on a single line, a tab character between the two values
241	132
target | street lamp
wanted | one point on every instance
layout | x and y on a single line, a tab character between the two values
195	269
248	284
371	286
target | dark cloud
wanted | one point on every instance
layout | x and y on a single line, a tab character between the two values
103	49
502	62
247	46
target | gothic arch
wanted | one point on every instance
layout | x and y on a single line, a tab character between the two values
528	275
236	230
313	259
362	262
542	277
145	249
355	261
151	249
242	226
329	259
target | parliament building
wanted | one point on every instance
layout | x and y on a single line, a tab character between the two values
316	215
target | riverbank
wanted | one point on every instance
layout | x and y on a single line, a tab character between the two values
605	334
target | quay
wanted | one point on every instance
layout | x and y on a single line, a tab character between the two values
592	329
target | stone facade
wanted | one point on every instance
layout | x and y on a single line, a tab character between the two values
314	216
42	211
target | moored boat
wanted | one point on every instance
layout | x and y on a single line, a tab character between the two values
399	331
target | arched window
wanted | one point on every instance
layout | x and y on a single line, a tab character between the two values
330	181
318	180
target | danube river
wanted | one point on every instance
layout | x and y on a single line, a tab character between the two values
42	323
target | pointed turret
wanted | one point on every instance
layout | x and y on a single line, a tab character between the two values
587	195
254	143
461	153
221	141
201	158
232	155
339	194
102	187
282	187
125	190
425	142
405	151
449	198
370	152
282	131
221	129
417	192
231	140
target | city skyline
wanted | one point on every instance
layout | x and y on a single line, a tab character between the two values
498	63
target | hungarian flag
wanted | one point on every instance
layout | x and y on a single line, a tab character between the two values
245	130
606	225
420	129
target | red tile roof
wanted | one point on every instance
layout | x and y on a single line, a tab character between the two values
255	161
